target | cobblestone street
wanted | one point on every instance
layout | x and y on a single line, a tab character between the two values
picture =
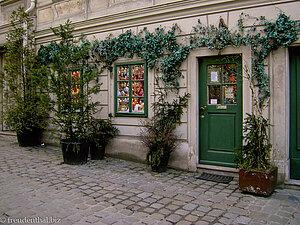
35	185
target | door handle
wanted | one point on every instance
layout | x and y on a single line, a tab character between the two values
202	108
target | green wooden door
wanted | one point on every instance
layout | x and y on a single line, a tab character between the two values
220	109
295	113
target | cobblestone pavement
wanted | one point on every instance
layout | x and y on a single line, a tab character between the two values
36	188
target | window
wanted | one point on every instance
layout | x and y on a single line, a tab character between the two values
71	91
222	84
131	89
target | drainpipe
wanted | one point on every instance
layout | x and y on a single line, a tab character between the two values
31	7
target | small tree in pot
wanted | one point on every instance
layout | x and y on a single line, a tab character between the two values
26	105
256	174
73	81
159	131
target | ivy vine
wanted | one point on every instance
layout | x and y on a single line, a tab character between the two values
159	49
274	35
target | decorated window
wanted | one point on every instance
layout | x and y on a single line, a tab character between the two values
71	91
222	84
131	89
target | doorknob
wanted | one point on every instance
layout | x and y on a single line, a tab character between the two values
202	108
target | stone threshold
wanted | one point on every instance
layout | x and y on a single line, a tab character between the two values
8	133
292	184
220	170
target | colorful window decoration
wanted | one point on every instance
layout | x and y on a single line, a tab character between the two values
222	84
130	89
71	90
75	85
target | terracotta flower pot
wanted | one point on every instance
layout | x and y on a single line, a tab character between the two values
258	182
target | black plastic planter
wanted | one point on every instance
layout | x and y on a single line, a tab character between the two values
74	153
97	152
162	166
30	138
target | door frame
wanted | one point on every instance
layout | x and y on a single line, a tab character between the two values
192	68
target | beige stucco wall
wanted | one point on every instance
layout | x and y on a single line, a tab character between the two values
99	18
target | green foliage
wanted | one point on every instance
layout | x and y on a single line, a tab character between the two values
255	154
280	33
101	131
160	49
72	111
159	131
24	81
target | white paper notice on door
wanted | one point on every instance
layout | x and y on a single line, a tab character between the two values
214	76
213	101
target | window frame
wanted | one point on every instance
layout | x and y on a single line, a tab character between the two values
116	81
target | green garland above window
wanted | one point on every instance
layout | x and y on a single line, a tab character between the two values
160	49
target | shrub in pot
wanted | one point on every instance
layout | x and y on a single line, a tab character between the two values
101	132
158	133
73	81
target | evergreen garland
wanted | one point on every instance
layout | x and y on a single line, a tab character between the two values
280	33
159	49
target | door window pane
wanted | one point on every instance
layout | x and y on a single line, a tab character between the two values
229	94
229	73
214	94
214	72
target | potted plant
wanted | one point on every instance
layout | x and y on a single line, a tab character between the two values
101	132
257	175
73	81
158	134
25	101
